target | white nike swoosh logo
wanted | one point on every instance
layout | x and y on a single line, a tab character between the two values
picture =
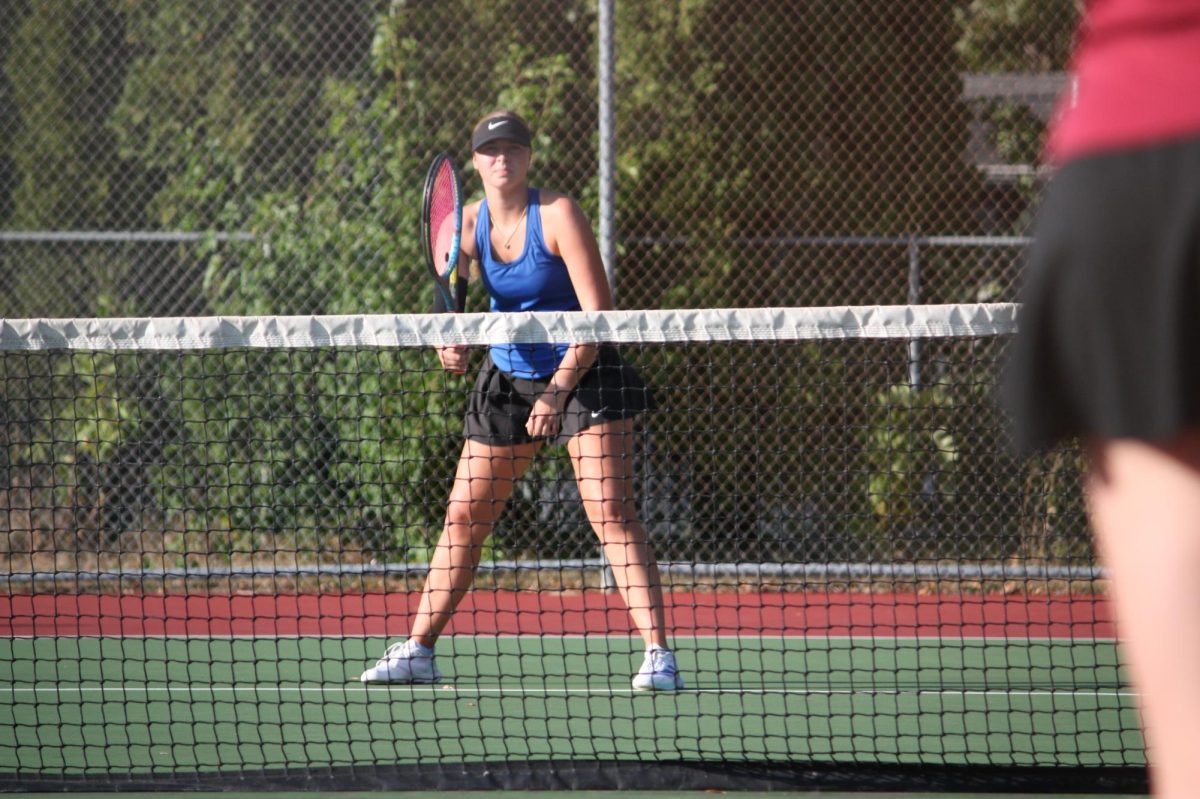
494	125
597	414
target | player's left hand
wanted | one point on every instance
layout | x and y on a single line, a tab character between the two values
545	419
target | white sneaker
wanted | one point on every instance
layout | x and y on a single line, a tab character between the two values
658	672
404	663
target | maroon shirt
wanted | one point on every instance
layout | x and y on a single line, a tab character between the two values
1136	78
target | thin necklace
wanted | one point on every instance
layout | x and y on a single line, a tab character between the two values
513	232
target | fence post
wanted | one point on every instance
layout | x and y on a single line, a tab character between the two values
608	249
607	116
914	298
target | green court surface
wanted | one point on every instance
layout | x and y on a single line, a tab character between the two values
120	705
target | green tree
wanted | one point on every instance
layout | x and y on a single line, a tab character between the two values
8	114
222	106
345	238
1016	35
223	100
1026	36
1020	36
63	72
765	120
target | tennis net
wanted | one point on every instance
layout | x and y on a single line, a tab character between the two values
211	526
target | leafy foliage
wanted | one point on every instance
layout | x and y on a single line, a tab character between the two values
308	124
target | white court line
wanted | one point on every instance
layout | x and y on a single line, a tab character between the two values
125	690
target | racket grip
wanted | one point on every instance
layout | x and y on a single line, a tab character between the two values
439	301
460	294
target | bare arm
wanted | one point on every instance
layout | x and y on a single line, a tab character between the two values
455	358
569	234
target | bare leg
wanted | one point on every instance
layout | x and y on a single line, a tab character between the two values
1145	508
482	485
603	460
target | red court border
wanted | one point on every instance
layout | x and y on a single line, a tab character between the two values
555	613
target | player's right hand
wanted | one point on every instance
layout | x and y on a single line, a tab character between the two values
454	358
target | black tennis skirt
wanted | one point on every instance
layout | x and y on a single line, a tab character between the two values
1109	341
500	404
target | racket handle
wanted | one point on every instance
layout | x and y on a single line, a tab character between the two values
460	294
439	301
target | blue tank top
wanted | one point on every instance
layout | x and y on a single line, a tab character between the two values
537	280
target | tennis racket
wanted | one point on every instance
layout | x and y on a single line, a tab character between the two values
441	230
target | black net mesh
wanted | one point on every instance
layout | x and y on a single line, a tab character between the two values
213	526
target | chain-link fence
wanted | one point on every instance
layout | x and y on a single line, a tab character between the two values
208	158
267	157
246	156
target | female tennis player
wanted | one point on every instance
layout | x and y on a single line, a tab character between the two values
1110	343
537	252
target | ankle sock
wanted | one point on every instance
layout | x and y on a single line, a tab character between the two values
417	648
